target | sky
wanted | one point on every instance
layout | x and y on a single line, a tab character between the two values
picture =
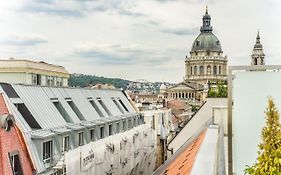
134	39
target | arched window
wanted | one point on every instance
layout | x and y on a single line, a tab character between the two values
209	71
191	70
201	70
195	70
179	95
255	61
215	70
219	70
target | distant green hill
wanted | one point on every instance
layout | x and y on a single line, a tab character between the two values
81	80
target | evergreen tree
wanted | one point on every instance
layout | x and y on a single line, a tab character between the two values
269	153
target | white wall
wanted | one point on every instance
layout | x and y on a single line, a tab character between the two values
13	77
250	93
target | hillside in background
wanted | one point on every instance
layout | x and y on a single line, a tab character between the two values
81	80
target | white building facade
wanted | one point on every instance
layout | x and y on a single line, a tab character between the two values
32	73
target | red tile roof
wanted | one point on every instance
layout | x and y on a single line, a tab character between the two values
3	107
183	163
177	104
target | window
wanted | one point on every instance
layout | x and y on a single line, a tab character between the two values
129	124
135	122
58	81
95	107
124	125
110	131
76	110
209	71
126	109
201	70
28	116
101	132
65	143
104	107
92	134
34	79
195	70
197	43
215	70
47	151
118	106
80	138
117	127
62	111
15	163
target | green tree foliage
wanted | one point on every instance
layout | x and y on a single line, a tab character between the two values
87	80
218	92
269	153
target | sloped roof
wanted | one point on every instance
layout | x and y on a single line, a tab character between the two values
187	85
177	104
3	107
182	161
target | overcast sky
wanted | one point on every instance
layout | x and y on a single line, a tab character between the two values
134	39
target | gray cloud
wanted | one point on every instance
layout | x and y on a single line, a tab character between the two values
180	31
23	40
119	54
79	8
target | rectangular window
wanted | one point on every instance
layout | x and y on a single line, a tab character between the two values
62	111
129	124
34	79
15	163
92	134
104	107
118	105
123	105
65	143
117	127
76	110
96	107
47	151
124	125
110	131
101	132
38	79
80	138
135	122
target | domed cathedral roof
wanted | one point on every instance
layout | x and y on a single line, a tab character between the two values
206	41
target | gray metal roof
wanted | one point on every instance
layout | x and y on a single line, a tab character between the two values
39	101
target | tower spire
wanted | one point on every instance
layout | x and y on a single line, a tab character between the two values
258	54
206	27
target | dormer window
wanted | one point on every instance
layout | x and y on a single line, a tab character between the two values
218	43
197	43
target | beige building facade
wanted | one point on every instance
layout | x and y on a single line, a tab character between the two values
32	73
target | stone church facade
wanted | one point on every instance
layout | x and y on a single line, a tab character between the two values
206	63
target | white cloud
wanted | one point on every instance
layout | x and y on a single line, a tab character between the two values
30	39
134	38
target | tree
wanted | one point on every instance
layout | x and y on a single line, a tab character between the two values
269	153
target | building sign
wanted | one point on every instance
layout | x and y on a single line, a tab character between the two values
87	159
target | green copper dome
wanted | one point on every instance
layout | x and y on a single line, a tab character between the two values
206	41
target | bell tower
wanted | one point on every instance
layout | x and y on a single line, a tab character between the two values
258	54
